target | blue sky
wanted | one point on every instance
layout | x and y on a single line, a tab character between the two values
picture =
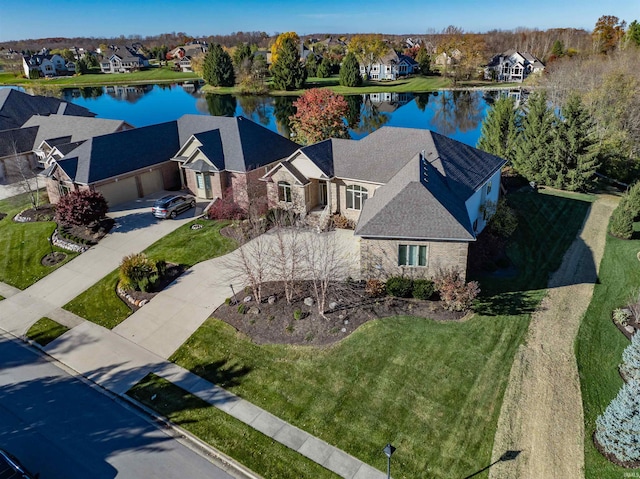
69	18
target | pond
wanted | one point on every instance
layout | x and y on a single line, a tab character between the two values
457	114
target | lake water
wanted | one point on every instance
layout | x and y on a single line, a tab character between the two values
457	114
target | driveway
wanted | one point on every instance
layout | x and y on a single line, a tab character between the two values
135	230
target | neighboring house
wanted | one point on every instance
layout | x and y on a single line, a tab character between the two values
448	58
231	156
391	66
47	65
184	64
418	198
512	66
123	60
193	151
17	107
190	50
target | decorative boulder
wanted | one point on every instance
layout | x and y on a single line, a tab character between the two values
247	299
271	300
308	301
333	305
254	310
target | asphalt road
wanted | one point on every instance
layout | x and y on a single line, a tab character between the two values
64	429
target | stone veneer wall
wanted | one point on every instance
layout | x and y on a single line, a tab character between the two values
379	258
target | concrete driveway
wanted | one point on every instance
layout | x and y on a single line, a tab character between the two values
135	230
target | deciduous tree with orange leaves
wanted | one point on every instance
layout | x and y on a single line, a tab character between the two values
320	115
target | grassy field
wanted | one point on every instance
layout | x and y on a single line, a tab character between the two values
184	246
46	330
23	245
234	438
433	389
599	344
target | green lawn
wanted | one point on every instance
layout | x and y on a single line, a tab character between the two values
101	304
433	389
151	75
599	344
46	330
234	438
23	245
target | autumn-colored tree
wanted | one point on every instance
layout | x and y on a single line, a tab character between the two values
320	115
608	32
277	45
368	49
81	207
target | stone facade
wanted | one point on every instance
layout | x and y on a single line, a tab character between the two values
379	258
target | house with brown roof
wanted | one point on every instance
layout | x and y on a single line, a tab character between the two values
417	198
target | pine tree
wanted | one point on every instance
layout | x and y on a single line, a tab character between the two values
500	129
424	61
218	67
630	367
557	49
350	71
311	64
324	69
618	428
287	71
534	157
575	149
621	223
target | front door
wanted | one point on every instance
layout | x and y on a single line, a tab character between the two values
203	183
322	199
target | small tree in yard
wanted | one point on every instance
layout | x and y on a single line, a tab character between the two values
621	224
350	71
251	262
320	115
288	253
454	292
630	367
81	208
618	428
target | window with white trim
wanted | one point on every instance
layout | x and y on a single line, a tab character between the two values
284	191
356	196
200	181
412	255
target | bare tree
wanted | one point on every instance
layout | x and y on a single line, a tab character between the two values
19	170
288	252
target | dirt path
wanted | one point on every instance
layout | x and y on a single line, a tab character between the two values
541	414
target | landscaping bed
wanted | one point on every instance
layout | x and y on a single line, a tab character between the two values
136	299
275	321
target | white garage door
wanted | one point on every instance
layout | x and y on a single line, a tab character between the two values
151	182
120	191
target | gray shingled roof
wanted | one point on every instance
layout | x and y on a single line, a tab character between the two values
322	155
79	128
18	140
17	107
245	144
409	208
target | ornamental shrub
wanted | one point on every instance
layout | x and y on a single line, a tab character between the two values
399	286
423	288
621	224
374	288
137	272
630	367
226	208
454	292
618	428
81	208
633	200
504	220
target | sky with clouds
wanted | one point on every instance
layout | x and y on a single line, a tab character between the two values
110	18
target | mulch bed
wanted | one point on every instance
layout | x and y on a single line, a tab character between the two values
43	213
53	259
173	271
274	323
91	235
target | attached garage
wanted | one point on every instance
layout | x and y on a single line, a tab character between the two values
119	191
151	182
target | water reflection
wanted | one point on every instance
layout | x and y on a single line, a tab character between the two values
453	113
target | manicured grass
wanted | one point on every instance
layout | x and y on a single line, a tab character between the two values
433	389
23	245
230	436
184	246
46	330
599	345
151	75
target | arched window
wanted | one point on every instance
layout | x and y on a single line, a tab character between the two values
356	195
284	191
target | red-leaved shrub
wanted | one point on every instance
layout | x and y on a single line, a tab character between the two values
226	209
454	292
81	208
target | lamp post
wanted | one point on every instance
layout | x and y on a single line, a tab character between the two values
388	451
233	298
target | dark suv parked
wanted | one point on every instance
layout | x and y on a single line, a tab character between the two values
10	467
171	206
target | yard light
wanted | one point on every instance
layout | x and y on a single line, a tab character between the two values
388	451
233	295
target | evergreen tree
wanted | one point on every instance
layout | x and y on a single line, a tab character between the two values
311	64
621	223
533	156
424	61
287	71
618	428
557	49
630	367
324	69
81	67
218	67
577	157
350	71
241	53
500	129
633	34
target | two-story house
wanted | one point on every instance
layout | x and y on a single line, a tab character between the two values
512	66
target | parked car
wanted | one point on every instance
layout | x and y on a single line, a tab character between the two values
10	467
171	206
